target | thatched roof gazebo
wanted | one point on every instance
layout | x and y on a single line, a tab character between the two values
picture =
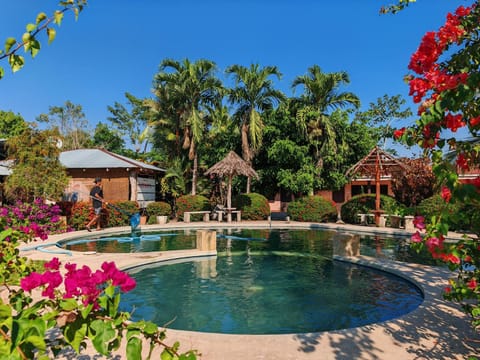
376	164
232	165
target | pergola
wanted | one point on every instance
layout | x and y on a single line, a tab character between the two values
231	166
376	164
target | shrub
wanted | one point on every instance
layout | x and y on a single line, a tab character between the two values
365	203
253	206
313	209
158	208
192	203
118	214
457	216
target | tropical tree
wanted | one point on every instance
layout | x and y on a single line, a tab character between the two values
108	139
253	94
381	114
71	123
11	124
131	122
30	39
320	96
196	91
35	154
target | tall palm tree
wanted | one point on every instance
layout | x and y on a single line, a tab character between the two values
195	90
320	96
253	94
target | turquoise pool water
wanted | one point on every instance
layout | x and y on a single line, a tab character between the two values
247	291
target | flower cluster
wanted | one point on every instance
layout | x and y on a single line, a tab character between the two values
34	220
82	283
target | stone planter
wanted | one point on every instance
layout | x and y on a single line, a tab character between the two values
395	221
161	219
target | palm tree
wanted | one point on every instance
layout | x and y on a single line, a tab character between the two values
195	90
254	94
321	96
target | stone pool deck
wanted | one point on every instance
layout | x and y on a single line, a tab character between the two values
437	329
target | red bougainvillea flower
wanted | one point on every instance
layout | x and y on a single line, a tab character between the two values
462	162
419	222
446	194
454	122
448	289
416	238
450	258
472	284
474	122
399	133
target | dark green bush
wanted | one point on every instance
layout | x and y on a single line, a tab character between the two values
365	203
457	216
312	209
158	208
253	206
192	203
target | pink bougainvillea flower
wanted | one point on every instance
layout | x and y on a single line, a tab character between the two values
446	194
419	222
416	238
32	281
53	264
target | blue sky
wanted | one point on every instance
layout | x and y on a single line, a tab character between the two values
117	45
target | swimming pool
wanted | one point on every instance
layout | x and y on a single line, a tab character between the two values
267	292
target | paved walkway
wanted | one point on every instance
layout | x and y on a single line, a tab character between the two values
437	329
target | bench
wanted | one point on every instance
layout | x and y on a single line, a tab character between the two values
364	218
238	214
187	214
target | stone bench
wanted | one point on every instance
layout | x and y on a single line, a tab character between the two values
238	214
187	215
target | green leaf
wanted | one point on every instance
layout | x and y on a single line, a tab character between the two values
150	328
103	334
31	27
68	304
34	47
166	355
58	17
2	72
37	341
51	35
134	349
40	17
9	43
16	62
85	312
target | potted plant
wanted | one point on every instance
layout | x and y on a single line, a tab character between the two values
159	211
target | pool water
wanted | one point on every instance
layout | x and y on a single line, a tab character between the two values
259	291
293	240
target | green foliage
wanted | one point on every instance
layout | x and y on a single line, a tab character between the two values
158	208
30	39
312	209
108	139
120	218
435	205
36	156
11	124
364	204
191	203
70	121
253	206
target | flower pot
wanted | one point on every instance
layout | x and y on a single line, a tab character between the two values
395	221
162	219
143	220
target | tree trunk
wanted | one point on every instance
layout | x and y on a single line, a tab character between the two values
194	175
246	154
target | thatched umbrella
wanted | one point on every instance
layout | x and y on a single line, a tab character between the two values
231	166
376	164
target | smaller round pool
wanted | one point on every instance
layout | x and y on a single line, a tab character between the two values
267	292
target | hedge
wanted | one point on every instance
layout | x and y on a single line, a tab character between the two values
253	206
312	209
